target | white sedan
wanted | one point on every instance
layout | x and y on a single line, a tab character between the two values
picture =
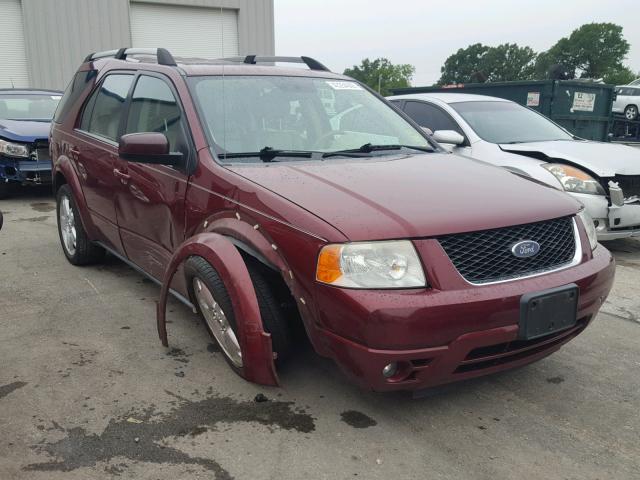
604	177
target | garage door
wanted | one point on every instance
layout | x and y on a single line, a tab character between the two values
13	62
185	31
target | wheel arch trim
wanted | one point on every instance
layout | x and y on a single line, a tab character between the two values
224	257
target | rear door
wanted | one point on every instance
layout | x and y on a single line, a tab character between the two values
96	151
149	201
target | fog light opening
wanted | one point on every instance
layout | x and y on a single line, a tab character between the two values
390	370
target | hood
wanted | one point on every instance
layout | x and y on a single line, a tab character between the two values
24	130
410	196
603	159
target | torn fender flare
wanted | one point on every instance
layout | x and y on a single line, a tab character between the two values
257	352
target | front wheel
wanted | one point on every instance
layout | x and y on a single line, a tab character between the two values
631	112
212	300
76	245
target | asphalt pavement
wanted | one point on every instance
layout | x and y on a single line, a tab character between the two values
87	391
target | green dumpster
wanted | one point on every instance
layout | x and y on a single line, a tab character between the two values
583	108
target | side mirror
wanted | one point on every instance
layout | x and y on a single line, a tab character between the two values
148	147
450	137
427	130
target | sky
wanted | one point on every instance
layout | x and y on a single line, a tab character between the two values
340	33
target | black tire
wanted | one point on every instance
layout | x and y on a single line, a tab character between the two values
631	112
273	315
273	320
198	267
86	252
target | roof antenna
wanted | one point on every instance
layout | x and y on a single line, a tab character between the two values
224	105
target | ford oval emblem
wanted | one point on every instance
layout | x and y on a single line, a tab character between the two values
525	249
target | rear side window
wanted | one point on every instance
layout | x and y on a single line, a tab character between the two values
431	117
103	111
75	88
155	109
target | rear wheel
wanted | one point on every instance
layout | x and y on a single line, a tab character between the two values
631	112
76	245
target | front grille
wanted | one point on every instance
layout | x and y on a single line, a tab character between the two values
504	353
485	256
630	184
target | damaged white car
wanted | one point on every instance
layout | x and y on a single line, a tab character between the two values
604	177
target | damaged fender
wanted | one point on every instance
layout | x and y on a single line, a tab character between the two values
257	352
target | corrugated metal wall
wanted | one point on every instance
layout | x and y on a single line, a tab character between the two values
59	34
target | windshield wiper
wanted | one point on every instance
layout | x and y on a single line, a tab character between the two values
268	154
370	148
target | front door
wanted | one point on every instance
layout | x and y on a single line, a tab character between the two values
150	199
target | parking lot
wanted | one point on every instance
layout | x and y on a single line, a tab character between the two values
87	391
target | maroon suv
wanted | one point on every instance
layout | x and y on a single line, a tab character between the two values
287	201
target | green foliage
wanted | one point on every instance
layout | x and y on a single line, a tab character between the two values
620	76
595	50
509	62
382	73
462	65
479	63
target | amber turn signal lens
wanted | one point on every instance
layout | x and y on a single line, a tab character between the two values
574	172
328	270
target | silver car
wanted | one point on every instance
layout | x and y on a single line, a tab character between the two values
604	177
627	101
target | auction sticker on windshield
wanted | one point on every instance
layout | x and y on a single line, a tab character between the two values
344	85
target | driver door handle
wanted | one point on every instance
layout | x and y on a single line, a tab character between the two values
124	178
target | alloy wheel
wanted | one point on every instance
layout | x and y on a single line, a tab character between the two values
217	322
68	226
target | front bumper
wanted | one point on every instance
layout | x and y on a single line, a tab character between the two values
25	171
613	221
446	335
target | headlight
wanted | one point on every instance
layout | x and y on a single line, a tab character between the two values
575	180
587	221
389	264
13	149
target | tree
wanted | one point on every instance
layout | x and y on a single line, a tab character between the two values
508	62
480	63
620	76
594	50
381	75
462	65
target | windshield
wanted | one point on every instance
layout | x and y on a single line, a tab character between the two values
28	106
251	113
507	122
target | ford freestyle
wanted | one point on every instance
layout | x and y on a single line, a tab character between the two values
279	201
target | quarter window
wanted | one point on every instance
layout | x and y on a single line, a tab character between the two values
155	109
105	107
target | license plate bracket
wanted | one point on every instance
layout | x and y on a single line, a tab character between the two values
549	311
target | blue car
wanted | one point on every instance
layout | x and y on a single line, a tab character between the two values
25	119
